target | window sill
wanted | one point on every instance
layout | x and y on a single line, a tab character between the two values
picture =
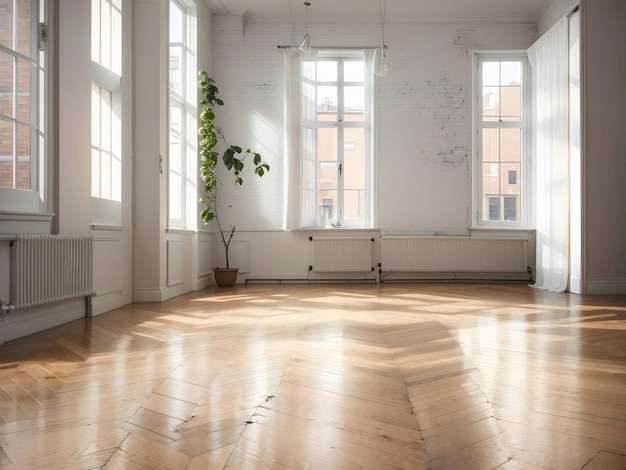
501	229
336	229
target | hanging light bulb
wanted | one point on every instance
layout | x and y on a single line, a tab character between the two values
380	55
380	61
305	46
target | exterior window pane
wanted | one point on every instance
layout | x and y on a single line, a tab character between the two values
6	154
326	71
24	140
23	34
354	103
354	71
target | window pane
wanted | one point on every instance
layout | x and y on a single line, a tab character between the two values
327	204
309	110
105	120
354	175
95	172
491	103
23	31
176	23
6	154
490	178
491	145
308	69
510	145
26	76
95	30
327	103
116	37
354	103
511	73
491	73
327	145
309	178
354	71
24	139
175	69
175	118
8	16
494	208
510	208
95	116
6	84
511	103
326	71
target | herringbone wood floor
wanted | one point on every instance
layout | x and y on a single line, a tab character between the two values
392	376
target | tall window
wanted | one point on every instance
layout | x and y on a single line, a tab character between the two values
182	122
20	74
501	132
106	121
336	130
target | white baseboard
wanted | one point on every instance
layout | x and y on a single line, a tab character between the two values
105	302
25	322
149	295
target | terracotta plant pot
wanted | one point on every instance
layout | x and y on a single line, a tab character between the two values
225	276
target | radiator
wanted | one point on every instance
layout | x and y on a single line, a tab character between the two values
453	254
50	268
342	254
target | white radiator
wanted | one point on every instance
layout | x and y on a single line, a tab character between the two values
352	254
453	254
50	268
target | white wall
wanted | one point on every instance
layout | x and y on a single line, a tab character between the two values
423	166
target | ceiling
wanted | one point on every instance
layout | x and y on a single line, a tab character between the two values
364	11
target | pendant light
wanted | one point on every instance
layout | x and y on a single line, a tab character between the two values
305	46
380	55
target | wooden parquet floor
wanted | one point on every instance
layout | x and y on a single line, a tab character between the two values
334	376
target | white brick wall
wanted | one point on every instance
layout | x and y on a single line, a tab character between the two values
424	111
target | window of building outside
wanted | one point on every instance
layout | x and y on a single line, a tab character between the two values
182	165
21	116
106	107
336	129
501	132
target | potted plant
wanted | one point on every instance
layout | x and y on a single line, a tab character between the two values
233	157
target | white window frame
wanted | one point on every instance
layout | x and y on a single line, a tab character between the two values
182	197
31	200
106	111
309	215
481	219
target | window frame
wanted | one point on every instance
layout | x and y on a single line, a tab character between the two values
107	119
309	216
481	212
33	199
186	171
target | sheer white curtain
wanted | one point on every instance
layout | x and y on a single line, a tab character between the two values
550	71
292	104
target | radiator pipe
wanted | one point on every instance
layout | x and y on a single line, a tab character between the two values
6	307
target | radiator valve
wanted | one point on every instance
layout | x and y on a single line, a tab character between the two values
6	307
